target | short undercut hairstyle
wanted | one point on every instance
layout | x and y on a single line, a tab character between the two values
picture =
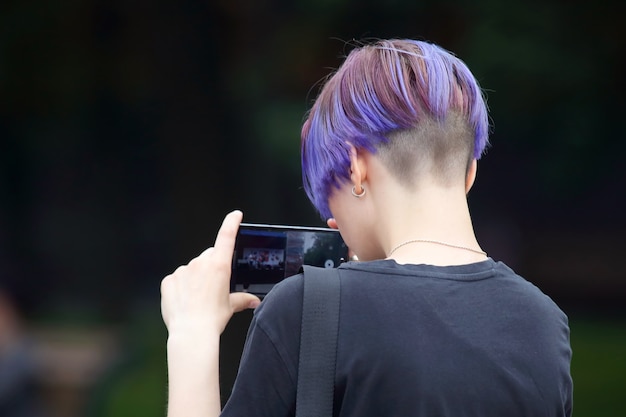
414	103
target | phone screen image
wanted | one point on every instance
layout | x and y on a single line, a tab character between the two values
266	254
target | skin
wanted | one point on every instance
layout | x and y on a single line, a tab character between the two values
391	213
10	325
196	303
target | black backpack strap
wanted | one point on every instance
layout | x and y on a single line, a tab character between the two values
318	342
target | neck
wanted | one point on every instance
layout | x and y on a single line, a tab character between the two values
437	222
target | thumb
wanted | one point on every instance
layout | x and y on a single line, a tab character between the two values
240	301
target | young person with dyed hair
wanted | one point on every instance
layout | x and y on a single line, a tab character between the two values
429	324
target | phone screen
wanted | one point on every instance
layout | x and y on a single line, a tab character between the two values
266	254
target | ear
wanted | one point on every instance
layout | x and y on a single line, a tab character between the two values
332	223
358	168
471	175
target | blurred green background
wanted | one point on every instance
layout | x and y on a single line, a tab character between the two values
129	128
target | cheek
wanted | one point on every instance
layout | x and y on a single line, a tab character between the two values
335	204
355	233
351	241
342	220
353	222
354	237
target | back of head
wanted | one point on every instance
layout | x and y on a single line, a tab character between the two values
414	103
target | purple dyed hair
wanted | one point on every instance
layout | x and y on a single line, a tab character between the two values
384	87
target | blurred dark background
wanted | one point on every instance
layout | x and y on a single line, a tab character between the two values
129	128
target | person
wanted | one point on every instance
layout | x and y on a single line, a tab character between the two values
430	325
20	384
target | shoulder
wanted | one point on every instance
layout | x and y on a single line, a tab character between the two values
280	312
526	291
267	374
284	294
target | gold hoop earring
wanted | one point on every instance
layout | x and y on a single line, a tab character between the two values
361	194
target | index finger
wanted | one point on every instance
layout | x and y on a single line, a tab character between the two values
226	236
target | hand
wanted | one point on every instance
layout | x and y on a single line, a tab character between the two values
196	298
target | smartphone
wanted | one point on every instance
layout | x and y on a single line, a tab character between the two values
266	254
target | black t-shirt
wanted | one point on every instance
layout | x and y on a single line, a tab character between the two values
417	340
